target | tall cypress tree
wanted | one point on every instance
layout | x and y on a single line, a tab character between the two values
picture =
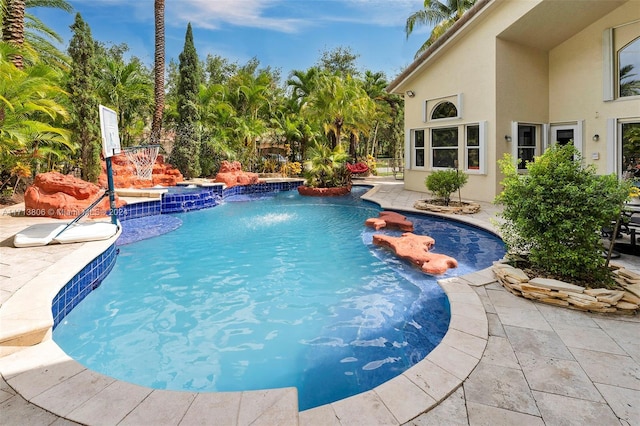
186	149
84	102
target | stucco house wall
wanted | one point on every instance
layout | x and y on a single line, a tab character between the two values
466	71
576	84
504	65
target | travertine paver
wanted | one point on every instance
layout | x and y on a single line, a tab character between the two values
402	396
543	343
558	409
499	352
515	382
432	379
487	415
588	338
609	369
365	409
110	405
500	387
450	412
160	407
569	379
623	402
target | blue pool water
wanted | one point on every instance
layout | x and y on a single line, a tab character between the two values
270	291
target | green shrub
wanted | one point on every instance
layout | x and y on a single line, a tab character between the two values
326	167
443	183
555	212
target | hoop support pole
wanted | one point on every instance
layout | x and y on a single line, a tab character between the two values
112	192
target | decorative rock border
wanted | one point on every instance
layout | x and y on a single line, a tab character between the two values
554	292
454	207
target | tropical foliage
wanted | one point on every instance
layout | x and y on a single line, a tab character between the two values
32	113
554	213
442	15
326	167
212	110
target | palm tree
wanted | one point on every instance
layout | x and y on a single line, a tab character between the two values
337	102
13	27
440	14
628	85
302	83
15	20
158	71
125	87
326	167
216	115
31	110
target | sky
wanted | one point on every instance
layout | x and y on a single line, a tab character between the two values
284	34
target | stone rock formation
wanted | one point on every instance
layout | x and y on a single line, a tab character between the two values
390	220
415	249
61	196
125	175
324	192
231	174
624	300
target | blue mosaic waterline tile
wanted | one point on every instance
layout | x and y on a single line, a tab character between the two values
91	276
85	281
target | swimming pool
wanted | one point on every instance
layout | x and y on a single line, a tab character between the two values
258	323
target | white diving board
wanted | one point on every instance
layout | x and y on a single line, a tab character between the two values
43	234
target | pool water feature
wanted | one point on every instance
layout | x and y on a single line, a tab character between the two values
269	291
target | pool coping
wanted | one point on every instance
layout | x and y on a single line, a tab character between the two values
45	376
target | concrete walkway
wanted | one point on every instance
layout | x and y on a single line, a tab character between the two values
541	365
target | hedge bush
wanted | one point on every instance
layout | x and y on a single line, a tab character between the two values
554	213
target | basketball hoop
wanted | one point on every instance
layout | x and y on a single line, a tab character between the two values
143	157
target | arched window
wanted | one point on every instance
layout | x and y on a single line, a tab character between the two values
629	69
444	110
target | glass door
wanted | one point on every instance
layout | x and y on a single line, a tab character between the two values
566	133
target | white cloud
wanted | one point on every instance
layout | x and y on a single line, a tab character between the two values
383	12
290	16
244	13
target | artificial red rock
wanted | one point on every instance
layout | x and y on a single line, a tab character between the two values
390	220
61	196
415	249
375	223
324	192
126	176
231	174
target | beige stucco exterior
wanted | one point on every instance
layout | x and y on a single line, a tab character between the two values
538	63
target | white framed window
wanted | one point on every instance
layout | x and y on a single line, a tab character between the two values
445	108
528	139
623	147
475	147
418	160
629	69
629	143
621	61
444	147
450	147
564	133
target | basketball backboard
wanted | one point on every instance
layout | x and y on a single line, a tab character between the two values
109	129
